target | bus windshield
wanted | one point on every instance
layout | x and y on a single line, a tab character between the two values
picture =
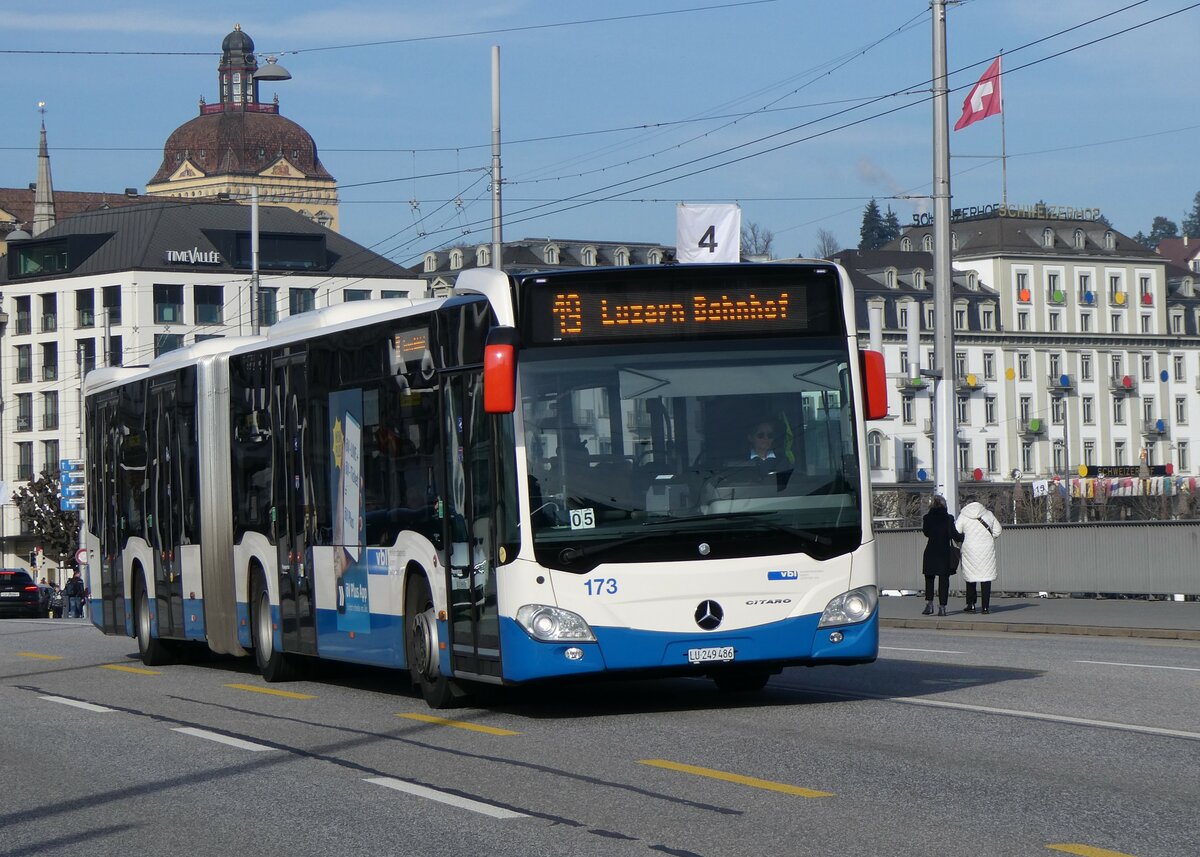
676	450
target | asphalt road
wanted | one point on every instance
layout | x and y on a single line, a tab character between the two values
954	743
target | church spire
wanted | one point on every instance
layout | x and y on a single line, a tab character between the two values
239	89
43	195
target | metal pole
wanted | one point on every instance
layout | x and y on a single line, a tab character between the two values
497	229
945	437
254	261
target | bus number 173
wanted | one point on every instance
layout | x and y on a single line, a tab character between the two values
601	586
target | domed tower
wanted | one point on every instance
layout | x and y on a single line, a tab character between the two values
240	143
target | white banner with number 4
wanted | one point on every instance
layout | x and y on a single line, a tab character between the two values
708	233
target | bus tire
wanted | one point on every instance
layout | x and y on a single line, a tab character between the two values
273	666
154	652
421	644
741	679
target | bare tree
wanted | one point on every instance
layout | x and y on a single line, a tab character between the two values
756	240
827	245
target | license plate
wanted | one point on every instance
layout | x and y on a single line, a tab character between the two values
713	653
10	594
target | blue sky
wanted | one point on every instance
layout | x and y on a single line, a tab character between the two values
612	113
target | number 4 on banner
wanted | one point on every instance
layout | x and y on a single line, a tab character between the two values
708	233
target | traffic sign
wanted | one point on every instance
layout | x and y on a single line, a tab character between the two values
67	465
71	504
81	556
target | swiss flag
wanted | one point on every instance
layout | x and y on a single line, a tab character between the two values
984	98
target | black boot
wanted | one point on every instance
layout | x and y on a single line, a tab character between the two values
941	609
928	608
970	608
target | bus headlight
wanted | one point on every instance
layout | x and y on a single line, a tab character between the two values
851	607
543	622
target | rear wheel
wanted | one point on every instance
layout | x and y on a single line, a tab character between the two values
154	652
273	666
421	639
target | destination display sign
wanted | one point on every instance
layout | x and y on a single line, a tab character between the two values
605	309
1113	471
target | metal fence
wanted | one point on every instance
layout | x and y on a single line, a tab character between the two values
1136	558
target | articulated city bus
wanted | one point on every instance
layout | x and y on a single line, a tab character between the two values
643	471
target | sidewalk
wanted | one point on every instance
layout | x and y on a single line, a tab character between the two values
1163	620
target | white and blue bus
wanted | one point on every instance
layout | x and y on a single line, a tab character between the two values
639	471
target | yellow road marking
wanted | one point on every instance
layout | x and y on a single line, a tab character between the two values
1086	850
125	669
458	724
271	691
40	657
753	782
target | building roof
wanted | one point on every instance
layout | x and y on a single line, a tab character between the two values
1180	251
994	235
137	237
18	202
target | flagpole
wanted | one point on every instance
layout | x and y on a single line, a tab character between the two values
1003	145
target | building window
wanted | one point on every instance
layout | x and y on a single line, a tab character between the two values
1087	409
1110	242
50	456
24	411
1025	408
1148	409
50	410
960	319
1114	288
904	363
989	410
430	263
1057	410
456	259
1176	323
989	365
350	295
1054	321
268	312
972	280
1118	365
85	308
910	457
902	317
1022	320
1147	367
49	361
987	319
1059	463
301	300
930	319
168	304
1143	288
1085	289
1085	367
1023	365
483	257
1146	324
1181	410
1054	359
1027	456
960	363
1115	323
906	410
25	461
112	304
992	456
1177	362
1118	403
167	342
209	304
49	313
1085	322
918	279
964	412
1119	453
621	257
654	257
964	457
389	294
1181	449
550	254
927	243
1089	452
1080	239
906	244
1047	237
589	256
875	450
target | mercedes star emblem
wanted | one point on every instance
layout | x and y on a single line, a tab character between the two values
709	615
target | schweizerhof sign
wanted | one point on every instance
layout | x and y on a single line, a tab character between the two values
195	256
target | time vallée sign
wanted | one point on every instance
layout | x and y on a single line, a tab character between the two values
194	256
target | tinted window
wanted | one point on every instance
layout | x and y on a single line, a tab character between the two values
18	578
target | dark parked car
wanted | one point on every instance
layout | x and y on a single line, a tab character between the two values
19	595
52	600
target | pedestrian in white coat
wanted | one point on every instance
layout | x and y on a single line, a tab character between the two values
980	529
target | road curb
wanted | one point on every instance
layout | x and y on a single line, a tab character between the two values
1026	628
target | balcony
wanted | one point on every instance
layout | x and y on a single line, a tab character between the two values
50	372
1126	384
49	421
23	422
968	383
1033	426
49	322
1155	428
1060	383
911	385
23	324
86	318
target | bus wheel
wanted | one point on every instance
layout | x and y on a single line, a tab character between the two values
154	652
421	640
741	679
273	666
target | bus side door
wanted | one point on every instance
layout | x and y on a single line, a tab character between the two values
165	513
469	528
292	515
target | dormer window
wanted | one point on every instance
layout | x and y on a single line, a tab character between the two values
456	259
1110	242
550	254
430	263
621	256
972	280
1047	237
1080	239
588	256
889	278
654	257
906	244
927	243
918	278
953	242
483	256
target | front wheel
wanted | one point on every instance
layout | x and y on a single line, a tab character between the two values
273	666
421	639
154	651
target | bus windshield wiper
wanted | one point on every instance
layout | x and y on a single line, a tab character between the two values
572	554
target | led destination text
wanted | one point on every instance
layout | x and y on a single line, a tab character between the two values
589	315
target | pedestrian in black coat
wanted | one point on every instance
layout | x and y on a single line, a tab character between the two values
939	529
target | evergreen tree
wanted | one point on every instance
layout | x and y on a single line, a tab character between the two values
1161	228
38	503
1191	223
873	234
891	225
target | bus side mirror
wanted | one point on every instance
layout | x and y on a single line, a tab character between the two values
875	404
500	371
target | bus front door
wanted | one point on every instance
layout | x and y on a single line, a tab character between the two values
293	516
468	505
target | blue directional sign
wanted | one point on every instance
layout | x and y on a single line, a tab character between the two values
71	484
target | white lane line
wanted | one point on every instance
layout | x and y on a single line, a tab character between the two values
930	651
222	739
86	706
444	797
1012	712
1142	666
